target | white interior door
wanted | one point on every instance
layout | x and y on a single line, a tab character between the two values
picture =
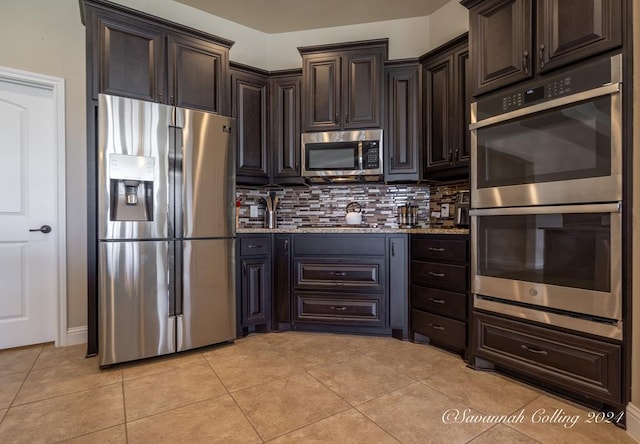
29	200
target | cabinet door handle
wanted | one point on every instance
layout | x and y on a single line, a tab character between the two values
457	156
525	62
244	269
253	246
338	273
533	350
335	120
340	308
437	301
541	55
436	327
450	156
286	246
346	118
393	248
439	250
440	275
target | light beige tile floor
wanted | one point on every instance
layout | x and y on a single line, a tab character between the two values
288	387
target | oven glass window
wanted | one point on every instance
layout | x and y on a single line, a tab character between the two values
332	156
569	250
567	143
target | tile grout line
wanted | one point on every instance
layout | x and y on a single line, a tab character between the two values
11	405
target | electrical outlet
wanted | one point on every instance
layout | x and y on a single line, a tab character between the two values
253	211
444	210
435	214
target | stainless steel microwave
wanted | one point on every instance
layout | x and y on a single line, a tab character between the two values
342	155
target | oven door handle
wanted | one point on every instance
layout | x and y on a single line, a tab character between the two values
608	89
615	207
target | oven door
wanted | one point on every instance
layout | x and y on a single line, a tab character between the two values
565	150
556	264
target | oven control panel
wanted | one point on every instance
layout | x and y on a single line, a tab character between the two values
571	81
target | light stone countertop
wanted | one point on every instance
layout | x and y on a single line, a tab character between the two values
354	230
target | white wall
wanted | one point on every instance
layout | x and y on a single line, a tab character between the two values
407	37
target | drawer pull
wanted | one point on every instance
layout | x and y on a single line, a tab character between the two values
436	327
533	350
254	246
338	273
437	301
341	308
439	250
440	275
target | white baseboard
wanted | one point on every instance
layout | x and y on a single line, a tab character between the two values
77	335
633	421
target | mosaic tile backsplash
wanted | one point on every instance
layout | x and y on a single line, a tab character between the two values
326	204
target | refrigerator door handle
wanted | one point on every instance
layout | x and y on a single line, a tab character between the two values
178	278
179	332
171	263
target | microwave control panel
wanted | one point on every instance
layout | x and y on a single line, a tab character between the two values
370	155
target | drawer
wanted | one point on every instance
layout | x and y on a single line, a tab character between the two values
581	365
439	329
254	245
444	276
448	250
445	303
354	273
339	244
326	308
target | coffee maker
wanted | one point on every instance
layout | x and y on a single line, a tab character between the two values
462	203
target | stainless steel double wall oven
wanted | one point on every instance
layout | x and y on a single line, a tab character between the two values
546	188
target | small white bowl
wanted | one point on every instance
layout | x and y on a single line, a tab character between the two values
354	218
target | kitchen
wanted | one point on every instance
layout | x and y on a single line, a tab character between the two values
245	209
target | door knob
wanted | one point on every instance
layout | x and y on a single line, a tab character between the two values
43	229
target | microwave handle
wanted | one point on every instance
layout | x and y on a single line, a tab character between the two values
615	207
561	101
360	155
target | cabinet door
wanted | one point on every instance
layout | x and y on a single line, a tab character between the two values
461	137
570	30
129	57
322	79
285	127
256	290
249	107
437	78
398	284
197	74
282	277
402	145
500	33
361	97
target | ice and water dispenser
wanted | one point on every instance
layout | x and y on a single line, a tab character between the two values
131	182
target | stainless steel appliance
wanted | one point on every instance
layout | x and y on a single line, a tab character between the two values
342	156
557	264
546	192
553	141
166	199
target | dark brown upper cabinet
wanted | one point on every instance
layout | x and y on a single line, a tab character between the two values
402	135
284	114
135	55
197	74
445	111
511	40
343	85
249	105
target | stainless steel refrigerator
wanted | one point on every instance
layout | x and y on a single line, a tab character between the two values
166	228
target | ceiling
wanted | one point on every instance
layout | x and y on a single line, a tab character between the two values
274	16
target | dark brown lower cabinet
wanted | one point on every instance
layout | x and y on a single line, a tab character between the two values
587	367
254	283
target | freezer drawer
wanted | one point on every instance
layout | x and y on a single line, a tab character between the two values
209	295
133	300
